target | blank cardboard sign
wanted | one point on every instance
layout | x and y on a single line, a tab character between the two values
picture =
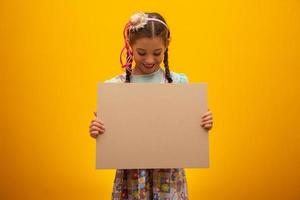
152	125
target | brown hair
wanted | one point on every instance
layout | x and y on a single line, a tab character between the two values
151	29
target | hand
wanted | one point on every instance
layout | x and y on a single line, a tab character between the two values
207	120
96	127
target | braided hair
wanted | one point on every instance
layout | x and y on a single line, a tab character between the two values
166	64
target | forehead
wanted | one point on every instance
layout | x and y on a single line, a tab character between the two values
149	43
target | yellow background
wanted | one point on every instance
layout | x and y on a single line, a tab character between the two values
54	52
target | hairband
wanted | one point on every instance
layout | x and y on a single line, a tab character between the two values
140	19
137	21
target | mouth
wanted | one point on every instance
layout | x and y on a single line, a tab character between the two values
149	66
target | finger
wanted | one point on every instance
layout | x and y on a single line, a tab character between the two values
206	122
95	128
207	114
207	118
207	126
96	123
93	136
94	133
98	120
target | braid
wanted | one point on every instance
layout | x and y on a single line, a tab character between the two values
128	70
166	62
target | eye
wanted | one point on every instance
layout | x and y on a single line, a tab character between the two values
156	54
141	54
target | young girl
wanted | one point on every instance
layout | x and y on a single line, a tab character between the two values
147	38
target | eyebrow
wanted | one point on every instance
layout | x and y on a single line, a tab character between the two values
145	49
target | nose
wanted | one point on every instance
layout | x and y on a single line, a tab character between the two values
149	60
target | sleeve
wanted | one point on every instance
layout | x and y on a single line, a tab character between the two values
109	81
116	79
183	78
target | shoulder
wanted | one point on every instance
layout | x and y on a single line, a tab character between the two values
179	77
117	79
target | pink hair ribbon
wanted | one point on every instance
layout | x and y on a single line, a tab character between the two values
127	48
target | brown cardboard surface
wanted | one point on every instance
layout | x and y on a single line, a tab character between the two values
152	125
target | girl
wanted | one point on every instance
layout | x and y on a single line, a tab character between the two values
147	38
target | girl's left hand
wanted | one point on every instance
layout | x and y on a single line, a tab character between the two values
207	120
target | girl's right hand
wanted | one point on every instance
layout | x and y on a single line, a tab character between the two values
96	127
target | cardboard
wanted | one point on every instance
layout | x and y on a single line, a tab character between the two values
152	125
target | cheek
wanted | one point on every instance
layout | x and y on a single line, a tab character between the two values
159	59
136	59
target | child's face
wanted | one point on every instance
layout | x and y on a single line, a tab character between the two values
148	53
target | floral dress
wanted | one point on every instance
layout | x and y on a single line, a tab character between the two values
150	184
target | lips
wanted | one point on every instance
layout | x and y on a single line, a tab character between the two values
149	66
